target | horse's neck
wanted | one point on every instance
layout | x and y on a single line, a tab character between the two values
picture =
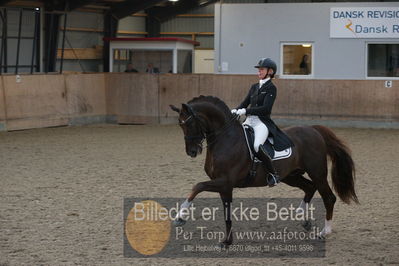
215	119
225	129
221	147
222	129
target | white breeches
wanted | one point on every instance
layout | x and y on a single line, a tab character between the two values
260	129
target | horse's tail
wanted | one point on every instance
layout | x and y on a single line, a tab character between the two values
343	167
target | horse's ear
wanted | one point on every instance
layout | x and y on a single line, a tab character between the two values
174	108
187	108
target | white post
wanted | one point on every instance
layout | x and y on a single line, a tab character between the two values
175	60
111	58
41	39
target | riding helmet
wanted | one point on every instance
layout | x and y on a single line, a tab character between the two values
268	63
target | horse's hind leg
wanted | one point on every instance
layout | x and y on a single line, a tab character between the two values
319	178
297	180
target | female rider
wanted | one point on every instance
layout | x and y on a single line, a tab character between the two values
261	98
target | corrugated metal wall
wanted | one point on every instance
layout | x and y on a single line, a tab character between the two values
132	26
27	30
197	25
209	9
78	19
82	39
188	24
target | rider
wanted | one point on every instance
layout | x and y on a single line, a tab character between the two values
261	97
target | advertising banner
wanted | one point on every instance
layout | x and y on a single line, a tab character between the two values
364	22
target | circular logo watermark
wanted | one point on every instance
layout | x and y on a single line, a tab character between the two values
145	234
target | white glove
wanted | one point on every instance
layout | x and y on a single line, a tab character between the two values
241	111
234	111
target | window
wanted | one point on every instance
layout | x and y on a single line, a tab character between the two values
161	60
383	60
297	59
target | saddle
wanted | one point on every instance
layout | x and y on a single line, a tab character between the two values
269	146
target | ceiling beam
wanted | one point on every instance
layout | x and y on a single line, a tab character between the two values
4	2
127	8
57	5
181	7
22	3
72	5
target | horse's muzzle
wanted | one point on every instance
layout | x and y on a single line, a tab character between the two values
192	154
194	151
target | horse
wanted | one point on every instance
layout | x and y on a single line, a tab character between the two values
228	160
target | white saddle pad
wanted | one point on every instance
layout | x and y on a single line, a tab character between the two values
278	155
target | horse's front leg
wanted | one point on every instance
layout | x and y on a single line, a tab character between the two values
216	185
227	199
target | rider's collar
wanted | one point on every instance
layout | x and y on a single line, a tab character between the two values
263	81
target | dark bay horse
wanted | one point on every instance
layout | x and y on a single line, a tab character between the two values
228	160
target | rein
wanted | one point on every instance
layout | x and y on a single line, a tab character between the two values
219	132
204	134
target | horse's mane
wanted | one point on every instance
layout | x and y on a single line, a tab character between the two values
213	100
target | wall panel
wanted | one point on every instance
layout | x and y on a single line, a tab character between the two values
35	101
176	89
2	106
133	98
86	97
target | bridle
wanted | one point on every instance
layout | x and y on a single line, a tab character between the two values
211	137
201	136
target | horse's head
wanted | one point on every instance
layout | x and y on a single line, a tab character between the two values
190	123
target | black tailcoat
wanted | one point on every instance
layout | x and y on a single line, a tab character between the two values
261	102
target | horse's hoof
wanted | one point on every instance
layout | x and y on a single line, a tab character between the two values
324	233
307	225
179	222
225	244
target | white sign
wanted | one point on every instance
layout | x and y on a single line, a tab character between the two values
225	66
388	84
364	22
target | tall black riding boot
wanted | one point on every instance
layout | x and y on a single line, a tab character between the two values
272	177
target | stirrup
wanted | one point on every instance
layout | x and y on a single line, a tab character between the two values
274	178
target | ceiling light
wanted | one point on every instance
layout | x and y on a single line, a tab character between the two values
306	45
173	0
